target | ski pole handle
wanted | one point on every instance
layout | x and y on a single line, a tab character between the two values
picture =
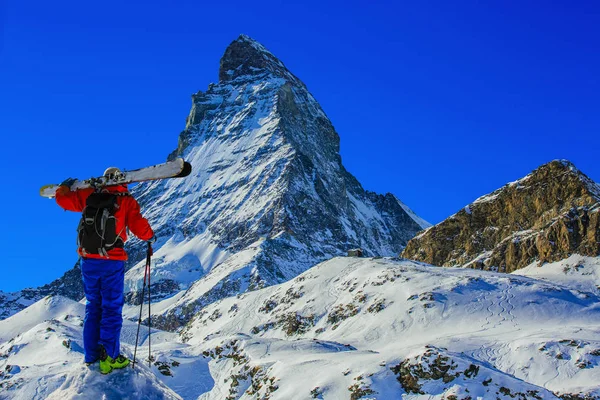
149	252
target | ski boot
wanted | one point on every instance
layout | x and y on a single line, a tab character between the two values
107	363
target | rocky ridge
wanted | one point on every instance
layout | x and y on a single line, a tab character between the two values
546	216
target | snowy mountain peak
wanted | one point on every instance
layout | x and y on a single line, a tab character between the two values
247	57
268	196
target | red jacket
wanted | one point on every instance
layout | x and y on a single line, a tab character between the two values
127	215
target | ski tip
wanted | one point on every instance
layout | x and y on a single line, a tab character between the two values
48	191
187	169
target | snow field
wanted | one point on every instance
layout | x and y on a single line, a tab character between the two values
381	311
346	327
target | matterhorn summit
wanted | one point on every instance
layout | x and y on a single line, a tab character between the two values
246	57
268	196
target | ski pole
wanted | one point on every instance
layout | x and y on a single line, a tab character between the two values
148	260
146	270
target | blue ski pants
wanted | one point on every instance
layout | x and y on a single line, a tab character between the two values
103	282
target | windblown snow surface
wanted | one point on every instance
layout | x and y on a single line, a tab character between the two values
348	328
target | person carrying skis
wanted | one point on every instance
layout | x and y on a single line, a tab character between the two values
107	214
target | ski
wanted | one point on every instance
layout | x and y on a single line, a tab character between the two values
177	168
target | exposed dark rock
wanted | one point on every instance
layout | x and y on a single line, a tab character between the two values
246	57
455	374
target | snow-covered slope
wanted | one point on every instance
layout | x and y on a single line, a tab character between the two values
349	328
12	303
43	310
69	285
268	196
41	357
576	271
362	322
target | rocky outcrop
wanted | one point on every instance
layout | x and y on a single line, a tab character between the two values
457	376
245	57
546	216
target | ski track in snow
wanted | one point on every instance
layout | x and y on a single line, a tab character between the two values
490	314
546	384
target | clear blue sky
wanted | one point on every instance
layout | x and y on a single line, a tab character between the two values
437	102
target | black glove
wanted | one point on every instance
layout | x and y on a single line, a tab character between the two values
152	240
68	182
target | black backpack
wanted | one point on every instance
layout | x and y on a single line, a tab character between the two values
97	231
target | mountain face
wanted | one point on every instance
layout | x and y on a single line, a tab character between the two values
268	196
546	216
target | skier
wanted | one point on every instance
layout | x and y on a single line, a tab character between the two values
107	214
